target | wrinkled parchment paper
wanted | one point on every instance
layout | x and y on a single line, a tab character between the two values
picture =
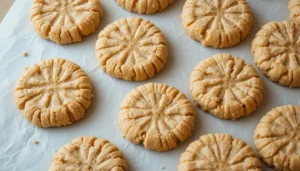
19	153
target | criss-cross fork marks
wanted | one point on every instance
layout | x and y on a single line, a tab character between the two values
218	152
89	153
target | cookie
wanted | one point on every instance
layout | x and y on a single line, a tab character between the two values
65	21
132	49
88	154
294	7
157	115
276	52
53	93
219	152
144	6
226	87
217	23
277	138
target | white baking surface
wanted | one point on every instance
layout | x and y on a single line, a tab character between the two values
17	151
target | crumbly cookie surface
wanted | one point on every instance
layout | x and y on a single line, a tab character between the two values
217	23
65	21
53	93
157	115
144	6
219	152
277	138
226	87
276	52
88	154
294	7
132	49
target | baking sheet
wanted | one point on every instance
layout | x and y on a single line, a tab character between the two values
17	151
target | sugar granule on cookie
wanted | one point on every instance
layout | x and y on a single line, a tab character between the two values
89	153
65	21
156	115
144	6
132	49
276	52
219	152
218	23
226	87
277	138
53	93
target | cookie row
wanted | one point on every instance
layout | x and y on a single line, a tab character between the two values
276	138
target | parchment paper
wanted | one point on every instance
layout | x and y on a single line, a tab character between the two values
17	151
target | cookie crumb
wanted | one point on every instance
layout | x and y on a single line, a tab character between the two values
162	167
25	54
36	142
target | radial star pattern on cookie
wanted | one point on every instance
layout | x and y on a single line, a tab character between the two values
53	93
217	23
157	115
144	6
65	21
88	154
276	51
219	152
226	87
294	7
132	49
277	138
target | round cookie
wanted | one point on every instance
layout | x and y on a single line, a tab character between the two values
219	152
294	7
217	23
157	115
144	6
88	154
132	49
53	93
277	138
226	87
276	52
65	21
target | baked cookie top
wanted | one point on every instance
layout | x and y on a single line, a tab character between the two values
156	115
226	87
276	51
144	6
88	154
53	93
277	138
132	49
219	152
294	7
217	23
65	21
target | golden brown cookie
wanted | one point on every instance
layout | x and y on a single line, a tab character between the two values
226	87
277	138
219	152
157	115
65	21
294	7
276	52
88	154
217	23
132	49
53	93
144	6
